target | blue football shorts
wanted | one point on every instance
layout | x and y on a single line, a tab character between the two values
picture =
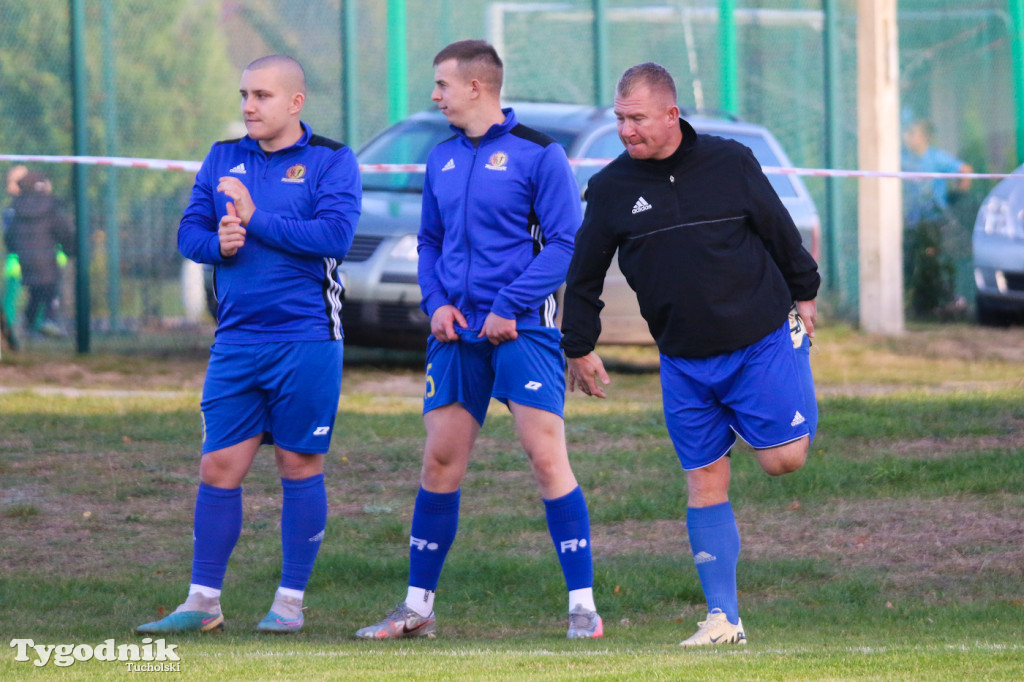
754	392
528	371
288	391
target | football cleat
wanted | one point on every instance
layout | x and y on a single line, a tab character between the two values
584	624
197	614
716	630
401	622
285	616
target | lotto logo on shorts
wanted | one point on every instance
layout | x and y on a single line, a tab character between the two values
532	385
321	430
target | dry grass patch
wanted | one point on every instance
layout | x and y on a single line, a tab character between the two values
915	546
935	448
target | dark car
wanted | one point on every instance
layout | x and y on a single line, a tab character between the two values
381	294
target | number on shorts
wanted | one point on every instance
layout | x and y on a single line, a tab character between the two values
430	382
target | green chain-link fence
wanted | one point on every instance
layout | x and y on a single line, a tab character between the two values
162	81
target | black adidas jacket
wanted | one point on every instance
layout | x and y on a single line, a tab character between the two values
703	240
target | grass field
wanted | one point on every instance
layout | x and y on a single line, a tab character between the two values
897	553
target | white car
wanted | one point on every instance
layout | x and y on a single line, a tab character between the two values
382	297
999	253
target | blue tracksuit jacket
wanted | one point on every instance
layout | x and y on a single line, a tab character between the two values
498	224
282	285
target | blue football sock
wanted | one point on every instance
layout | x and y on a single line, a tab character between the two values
569	525
803	370
216	527
435	520
303	519
715	543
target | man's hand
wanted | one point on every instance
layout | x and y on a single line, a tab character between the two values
239	194
586	372
443	321
498	329
231	233
808	311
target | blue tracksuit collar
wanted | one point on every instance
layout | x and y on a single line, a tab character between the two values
496	130
254	145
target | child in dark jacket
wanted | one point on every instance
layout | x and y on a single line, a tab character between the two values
37	227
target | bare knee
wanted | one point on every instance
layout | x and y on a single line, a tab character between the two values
553	474
297	466
709	485
226	468
451	432
442	470
542	435
784	459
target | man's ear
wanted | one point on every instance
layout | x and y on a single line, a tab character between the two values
298	99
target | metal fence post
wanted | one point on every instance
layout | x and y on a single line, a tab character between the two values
602	93
349	73
727	55
1017	59
111	218
833	129
398	104
80	142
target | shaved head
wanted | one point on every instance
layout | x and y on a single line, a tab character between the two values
291	74
273	91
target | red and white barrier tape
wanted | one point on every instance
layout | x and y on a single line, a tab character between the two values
118	161
193	166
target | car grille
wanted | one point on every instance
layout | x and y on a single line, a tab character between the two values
362	248
399	278
395	316
351	312
1014	281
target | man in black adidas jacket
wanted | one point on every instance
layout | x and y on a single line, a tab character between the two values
717	266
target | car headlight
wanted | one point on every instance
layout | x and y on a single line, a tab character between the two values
405	249
997	217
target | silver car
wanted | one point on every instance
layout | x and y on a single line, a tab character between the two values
381	294
999	253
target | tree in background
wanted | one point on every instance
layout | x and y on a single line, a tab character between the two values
174	84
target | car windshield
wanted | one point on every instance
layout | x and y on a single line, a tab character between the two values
410	142
608	146
763	152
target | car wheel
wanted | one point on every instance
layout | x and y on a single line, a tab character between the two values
989	316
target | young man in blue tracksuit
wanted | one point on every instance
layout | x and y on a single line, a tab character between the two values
500	211
275	212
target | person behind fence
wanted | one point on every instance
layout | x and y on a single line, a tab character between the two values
37	229
11	282
275	213
716	263
500	208
928	271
